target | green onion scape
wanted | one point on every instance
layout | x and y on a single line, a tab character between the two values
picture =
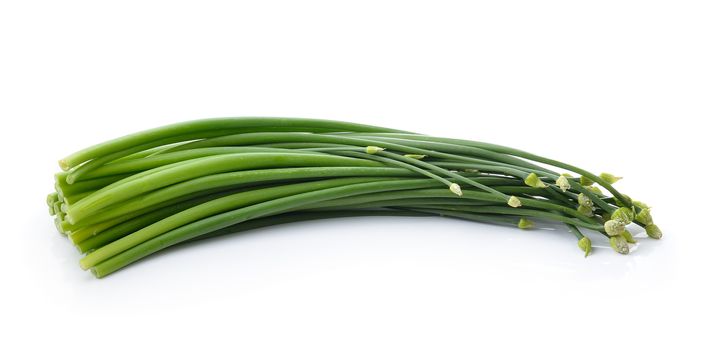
127	198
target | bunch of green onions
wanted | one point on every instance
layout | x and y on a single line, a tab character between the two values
127	198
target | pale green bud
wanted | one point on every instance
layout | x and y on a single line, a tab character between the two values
456	189
514	202
374	149
653	231
628	236
595	189
534	181
614	227
640	205
525	224
563	183
619	244
611	179
588	211
644	217
623	215
585	244
582	199
585	181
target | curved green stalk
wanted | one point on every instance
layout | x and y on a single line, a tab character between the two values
201	167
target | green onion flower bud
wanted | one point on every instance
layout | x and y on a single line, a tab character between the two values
611	179
582	199
585	244
456	189
563	183
415	156
644	217
514	202
623	215
653	231
585	181
595	189
588	211
628	236
374	149
614	227
525	224
619	244
640	205
534	181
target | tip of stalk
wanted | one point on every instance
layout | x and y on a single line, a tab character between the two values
585	244
456	189
584	200
63	164
628	236
653	231
525	224
595	190
585	181
514	202
614	227
563	183
374	149
619	244
611	179
534	181
586	211
57	223
95	273
84	265
70	179
623	215
644	217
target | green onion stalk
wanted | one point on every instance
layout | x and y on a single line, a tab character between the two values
124	199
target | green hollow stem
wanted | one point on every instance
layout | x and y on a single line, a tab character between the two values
333	139
233	180
231	203
213	223
201	167
67	189
141	164
230	125
137	222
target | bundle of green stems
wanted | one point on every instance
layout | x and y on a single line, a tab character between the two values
124	199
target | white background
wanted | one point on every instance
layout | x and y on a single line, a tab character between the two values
609	85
